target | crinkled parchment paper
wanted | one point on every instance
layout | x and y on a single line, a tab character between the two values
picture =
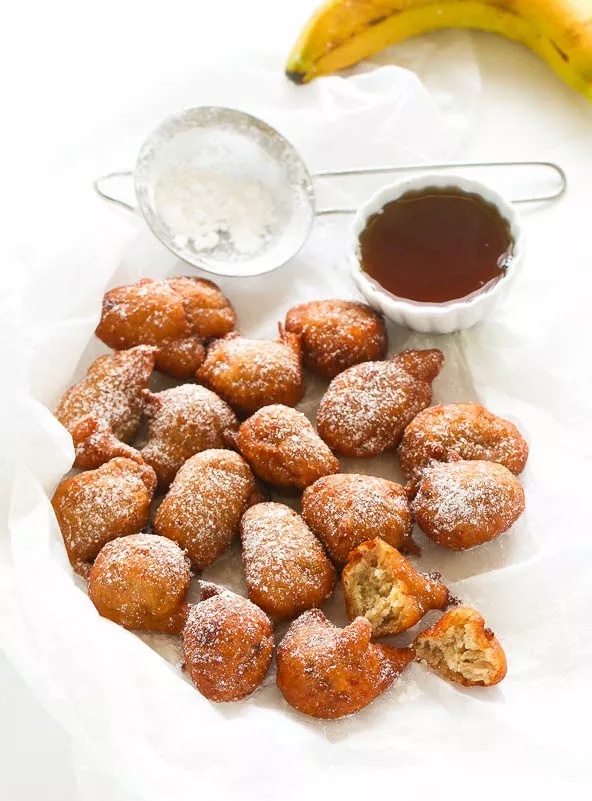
131	713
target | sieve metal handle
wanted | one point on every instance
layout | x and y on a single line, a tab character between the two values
101	192
449	166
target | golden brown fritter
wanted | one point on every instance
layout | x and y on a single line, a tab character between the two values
141	582
183	421
145	313
286	568
425	365
102	412
337	334
327	672
367	407
227	645
204	505
283	448
251	373
175	315
209	312
467	429
462	650
96	444
100	505
461	504
382	586
347	509
180	358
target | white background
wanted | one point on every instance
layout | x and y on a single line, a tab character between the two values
71	69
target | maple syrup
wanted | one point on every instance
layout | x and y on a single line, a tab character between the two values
436	245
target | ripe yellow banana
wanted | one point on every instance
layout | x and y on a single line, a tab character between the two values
343	32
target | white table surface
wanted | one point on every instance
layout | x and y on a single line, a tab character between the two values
74	66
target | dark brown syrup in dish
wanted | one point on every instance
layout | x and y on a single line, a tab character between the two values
436	245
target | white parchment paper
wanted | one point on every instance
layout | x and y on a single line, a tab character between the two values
129	709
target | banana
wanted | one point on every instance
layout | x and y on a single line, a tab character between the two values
343	32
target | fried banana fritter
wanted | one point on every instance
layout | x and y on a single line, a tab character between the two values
204	505
102	412
227	645
175	315
347	509
141	582
327	672
183	421
336	334
462	504
286	568
462	650
97	506
367	407
382	586
283	448
467	429
251	373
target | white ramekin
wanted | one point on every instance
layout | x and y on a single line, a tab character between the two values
440	318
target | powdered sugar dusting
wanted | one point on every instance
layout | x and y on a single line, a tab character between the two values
282	447
337	334
161	561
110	392
212	210
346	510
468	429
203	507
250	373
139	580
100	505
460	500
329	672
183	421
286	568
366	408
228	646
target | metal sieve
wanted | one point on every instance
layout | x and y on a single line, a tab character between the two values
231	144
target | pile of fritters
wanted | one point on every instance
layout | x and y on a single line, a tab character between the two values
221	451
